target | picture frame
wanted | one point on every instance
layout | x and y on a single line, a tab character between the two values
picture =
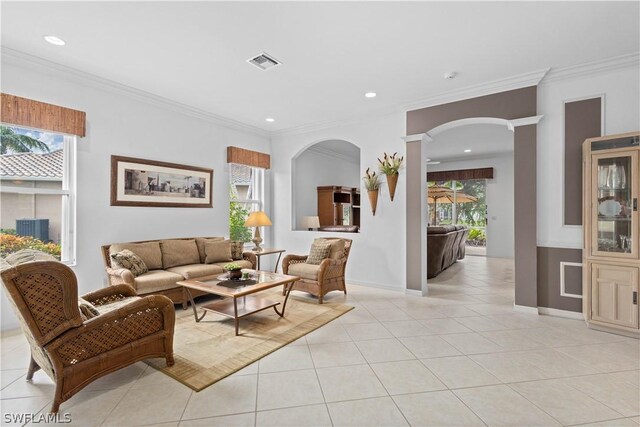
151	183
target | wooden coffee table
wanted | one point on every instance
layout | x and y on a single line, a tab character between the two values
238	297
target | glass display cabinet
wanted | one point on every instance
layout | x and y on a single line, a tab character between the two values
611	265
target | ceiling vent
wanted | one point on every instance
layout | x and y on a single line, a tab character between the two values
264	61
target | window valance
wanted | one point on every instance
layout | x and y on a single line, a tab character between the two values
40	115
461	174
251	158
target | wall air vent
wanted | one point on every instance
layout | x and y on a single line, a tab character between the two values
264	61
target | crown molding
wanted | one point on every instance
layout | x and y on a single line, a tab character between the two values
333	154
525	121
518	81
25	60
581	70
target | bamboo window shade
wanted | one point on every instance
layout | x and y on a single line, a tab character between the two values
40	115
254	159
460	175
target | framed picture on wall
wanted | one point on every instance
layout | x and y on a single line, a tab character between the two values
140	182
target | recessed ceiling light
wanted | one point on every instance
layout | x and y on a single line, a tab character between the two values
450	75
467	151
370	94
433	163
55	40
270	119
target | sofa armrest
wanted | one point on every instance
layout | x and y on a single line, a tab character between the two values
292	259
110	294
132	322
251	257
331	268
120	276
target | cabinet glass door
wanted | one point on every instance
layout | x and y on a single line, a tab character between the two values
615	180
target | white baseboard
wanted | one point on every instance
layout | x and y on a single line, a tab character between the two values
560	313
413	292
374	285
525	309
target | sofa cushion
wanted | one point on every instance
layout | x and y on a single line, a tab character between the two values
200	241
156	280
130	261
304	270
87	310
149	252
241	262
320	249
105	308
219	251
179	252
192	271
337	247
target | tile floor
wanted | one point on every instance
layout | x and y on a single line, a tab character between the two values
460	356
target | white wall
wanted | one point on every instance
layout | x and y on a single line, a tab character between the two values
119	124
378	252
499	200
621	89
314	169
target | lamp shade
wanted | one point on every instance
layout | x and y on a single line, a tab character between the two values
310	222
257	219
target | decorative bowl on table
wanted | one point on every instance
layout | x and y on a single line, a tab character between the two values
233	270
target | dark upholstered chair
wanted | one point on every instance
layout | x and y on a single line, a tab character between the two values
318	280
74	350
445	245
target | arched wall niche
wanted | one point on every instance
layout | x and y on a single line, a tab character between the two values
328	162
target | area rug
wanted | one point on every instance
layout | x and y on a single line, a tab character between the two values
208	351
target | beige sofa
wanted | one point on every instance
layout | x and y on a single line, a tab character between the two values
169	261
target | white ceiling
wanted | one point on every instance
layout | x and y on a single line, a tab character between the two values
333	52
338	148
484	141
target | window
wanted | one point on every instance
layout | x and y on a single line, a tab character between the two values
246	195
37	192
460	202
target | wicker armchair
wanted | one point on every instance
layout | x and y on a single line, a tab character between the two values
319	280
72	351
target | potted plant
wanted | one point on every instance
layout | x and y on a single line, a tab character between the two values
372	182
390	166
234	270
238	233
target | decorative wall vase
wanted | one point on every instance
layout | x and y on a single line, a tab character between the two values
373	199
392	182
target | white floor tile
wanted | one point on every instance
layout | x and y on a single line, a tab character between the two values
286	389
303	416
349	383
439	408
335	354
232	395
406	377
460	372
381	411
387	350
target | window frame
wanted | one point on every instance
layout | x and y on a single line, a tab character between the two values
68	224
257	187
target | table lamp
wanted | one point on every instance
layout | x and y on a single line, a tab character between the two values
310	222
257	219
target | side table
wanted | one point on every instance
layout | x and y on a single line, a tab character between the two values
269	251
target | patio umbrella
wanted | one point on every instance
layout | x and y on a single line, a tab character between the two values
439	194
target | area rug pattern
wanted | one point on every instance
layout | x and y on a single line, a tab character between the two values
208	351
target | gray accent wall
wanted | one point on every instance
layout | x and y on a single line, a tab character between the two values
415	199
582	120
549	260
525	208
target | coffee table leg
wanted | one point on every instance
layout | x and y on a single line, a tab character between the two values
235	314
193	305
275	270
288	287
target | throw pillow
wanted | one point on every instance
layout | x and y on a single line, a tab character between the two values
176	252
319	251
201	241
217	252
87	310
130	261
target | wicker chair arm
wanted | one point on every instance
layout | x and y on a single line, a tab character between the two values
330	268
110	294
251	257
131	322
120	276
292	259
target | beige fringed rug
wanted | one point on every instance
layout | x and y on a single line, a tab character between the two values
208	351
